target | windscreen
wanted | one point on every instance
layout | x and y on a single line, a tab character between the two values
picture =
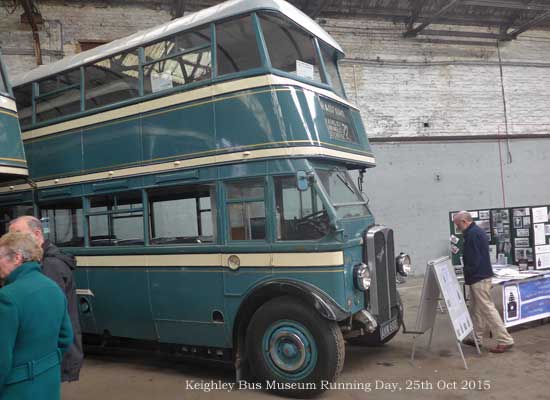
343	193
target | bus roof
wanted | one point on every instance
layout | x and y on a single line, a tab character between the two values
208	15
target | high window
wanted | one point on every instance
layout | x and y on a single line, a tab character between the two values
178	60
182	215
331	67
291	49
237	49
112	80
23	97
246	210
58	96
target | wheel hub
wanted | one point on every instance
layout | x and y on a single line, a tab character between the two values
288	349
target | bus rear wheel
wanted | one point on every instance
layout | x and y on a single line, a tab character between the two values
292	350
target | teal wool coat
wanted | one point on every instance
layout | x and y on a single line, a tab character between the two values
35	330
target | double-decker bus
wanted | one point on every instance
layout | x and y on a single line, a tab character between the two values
200	172
12	156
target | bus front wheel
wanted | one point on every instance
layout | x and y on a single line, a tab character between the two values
292	350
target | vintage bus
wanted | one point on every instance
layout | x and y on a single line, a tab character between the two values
201	172
13	164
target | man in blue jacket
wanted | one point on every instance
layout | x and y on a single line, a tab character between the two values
478	273
35	328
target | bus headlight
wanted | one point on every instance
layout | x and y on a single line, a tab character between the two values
361	276
403	264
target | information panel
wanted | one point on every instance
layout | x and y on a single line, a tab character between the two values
525	301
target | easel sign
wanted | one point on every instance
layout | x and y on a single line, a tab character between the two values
440	283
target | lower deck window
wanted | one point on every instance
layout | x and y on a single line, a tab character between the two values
180	215
246	210
116	219
300	214
9	213
62	222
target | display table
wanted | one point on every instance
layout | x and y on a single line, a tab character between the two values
520	296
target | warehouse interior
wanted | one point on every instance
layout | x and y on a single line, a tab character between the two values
451	93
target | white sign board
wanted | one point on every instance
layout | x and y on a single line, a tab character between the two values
304	69
454	300
441	280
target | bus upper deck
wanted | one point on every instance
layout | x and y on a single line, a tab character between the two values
12	156
228	84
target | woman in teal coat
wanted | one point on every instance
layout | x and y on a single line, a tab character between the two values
35	329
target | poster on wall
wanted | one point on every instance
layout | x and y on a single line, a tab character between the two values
540	214
540	234
542	260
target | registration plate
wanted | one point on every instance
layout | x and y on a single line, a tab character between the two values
388	328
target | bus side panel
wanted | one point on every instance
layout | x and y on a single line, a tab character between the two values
239	284
11	147
121	302
247	119
179	132
110	145
184	302
55	155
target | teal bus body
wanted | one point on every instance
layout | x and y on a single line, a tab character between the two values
12	155
192	208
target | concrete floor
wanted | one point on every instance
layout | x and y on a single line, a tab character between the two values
439	374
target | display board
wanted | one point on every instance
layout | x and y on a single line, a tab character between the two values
496	223
517	235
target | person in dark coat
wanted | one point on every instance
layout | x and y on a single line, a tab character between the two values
478	274
35	328
59	267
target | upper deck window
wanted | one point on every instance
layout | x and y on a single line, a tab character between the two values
3	86
291	49
23	97
331	67
58	96
112	80
237	49
178	60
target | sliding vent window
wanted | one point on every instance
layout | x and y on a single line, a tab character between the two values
116	220
58	96
291	49
182	215
300	214
23	98
112	80
246	210
179	60
236	46
62	221
9	213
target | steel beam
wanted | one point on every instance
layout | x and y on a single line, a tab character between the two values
415	12
479	35
528	25
512	4
413	32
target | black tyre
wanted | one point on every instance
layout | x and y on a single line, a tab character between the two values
373	339
292	349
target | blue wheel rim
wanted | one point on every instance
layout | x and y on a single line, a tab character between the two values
289	350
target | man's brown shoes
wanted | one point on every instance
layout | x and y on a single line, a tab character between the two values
501	348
